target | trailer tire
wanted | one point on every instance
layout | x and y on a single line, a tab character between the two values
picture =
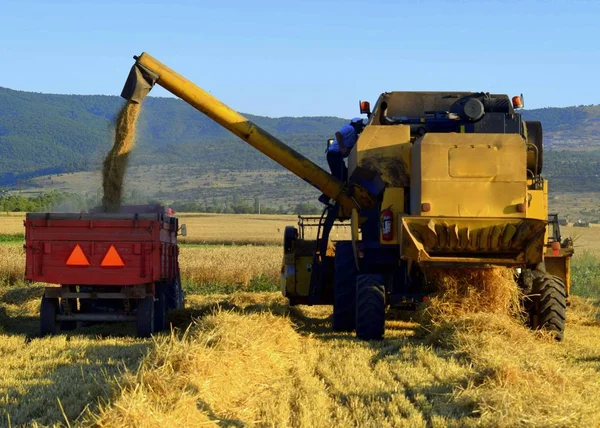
370	307
160	308
174	294
180	293
549	305
344	295
145	316
48	311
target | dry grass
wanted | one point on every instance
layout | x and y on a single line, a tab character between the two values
584	238
469	291
12	223
245	228
235	228
12	263
248	359
35	373
256	362
233	265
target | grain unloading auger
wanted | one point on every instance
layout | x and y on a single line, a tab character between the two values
446	179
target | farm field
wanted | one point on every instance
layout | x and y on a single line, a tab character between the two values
239	355
274	187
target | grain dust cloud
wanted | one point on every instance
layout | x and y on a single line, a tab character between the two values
115	163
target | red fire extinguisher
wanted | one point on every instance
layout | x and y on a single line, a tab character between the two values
387	224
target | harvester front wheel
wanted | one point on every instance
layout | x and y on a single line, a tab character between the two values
549	305
145	316
344	298
370	307
48	309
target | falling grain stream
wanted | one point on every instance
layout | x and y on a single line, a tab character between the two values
115	163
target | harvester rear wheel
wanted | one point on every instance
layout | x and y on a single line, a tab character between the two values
160	308
535	136
145	316
48	309
344	299
549	305
370	307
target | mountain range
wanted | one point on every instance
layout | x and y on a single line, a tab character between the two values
43	134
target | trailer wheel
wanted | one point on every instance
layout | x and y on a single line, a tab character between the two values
344	299
174	294
370	307
145	316
548	305
180	293
160	308
48	310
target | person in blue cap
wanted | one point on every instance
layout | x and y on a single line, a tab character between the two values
344	141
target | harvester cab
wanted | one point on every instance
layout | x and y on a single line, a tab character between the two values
435	179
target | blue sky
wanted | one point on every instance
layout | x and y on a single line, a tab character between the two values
309	58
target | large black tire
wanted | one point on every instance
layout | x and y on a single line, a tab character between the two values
535	136
549	305
344	298
290	235
48	311
180	293
160	308
370	307
175	295
145	316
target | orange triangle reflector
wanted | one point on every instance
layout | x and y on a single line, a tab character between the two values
77	258
112	258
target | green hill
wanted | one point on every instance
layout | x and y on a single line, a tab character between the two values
569	128
43	134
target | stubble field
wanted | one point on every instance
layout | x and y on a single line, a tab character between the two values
239	355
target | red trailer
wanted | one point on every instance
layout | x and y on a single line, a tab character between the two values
106	267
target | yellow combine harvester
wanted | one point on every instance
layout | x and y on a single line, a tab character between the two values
447	179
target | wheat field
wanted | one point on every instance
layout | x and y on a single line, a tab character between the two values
239	358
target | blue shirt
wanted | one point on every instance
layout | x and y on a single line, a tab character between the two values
349	138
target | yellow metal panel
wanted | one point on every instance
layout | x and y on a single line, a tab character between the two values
537	205
560	266
473	162
385	149
468	175
393	197
303	270
504	241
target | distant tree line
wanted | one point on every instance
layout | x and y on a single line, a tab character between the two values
50	201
